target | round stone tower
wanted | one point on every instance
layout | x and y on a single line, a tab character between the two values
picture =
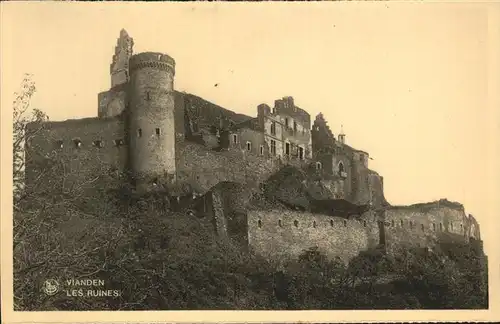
151	119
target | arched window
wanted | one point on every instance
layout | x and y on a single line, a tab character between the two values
318	166
341	166
296	223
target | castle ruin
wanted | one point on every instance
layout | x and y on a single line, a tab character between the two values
278	183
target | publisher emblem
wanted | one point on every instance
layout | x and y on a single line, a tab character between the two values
50	287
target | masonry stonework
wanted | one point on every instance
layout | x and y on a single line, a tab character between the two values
320	191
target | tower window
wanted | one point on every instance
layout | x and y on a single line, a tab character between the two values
296	223
139	132
262	150
77	143
235	138
98	143
249	146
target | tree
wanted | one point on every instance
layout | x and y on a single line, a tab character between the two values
22	115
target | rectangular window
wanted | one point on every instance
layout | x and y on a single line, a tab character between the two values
97	143
286	123
249	146
273	147
158	132
287	148
235	138
294	126
139	132
301	153
273	128
262	150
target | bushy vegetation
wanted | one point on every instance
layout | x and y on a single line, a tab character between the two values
172	260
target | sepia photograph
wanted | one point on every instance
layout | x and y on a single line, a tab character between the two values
284	157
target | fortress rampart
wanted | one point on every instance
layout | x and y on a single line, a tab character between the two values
321	191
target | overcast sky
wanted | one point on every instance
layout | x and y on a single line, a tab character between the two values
409	83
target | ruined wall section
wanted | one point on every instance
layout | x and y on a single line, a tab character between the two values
425	225
282	235
151	119
112	102
88	149
202	168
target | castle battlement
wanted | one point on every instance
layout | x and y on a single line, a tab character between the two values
152	60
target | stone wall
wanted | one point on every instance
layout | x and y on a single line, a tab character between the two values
203	168
282	235
88	148
424	226
113	102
